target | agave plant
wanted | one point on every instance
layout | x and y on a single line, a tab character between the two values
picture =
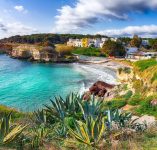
39	137
9	133
14	134
90	132
62	108
116	116
5	125
93	107
40	116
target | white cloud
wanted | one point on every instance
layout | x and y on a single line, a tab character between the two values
20	8
85	13
143	31
15	28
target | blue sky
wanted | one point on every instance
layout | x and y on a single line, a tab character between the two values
108	17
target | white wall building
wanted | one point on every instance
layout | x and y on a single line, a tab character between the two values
97	42
103	40
71	42
78	43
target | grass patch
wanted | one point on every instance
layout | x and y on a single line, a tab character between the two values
135	100
144	64
15	113
89	52
128	95
154	77
115	103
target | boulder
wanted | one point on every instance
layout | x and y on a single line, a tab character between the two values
100	89
148	120
103	85
102	93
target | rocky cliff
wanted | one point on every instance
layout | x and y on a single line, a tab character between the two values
139	81
36	53
5	48
39	53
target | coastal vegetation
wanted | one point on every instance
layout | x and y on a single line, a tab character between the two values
136	41
76	122
96	123
112	48
73	123
40	38
91	51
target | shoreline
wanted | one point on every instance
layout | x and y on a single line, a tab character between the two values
93	73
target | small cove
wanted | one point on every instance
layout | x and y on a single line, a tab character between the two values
27	86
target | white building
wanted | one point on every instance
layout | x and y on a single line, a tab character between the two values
71	42
103	40
78	43
96	42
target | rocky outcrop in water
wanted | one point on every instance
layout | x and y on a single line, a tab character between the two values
39	53
100	89
5	48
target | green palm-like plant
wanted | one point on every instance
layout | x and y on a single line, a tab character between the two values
89	133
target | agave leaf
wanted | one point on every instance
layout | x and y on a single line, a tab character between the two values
78	137
13	134
88	132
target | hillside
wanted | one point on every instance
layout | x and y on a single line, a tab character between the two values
39	38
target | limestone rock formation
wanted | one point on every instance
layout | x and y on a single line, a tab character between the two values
100	89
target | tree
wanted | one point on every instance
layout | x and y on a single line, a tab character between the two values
48	44
64	49
113	48
136	41
155	46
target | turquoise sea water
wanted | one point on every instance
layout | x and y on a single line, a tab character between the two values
27	86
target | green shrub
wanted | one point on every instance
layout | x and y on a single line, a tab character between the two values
127	70
128	95
125	87
116	103
154	77
146	107
135	99
120	70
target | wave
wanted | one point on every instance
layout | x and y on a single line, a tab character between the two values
93	73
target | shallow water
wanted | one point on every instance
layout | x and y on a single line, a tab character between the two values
27	86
